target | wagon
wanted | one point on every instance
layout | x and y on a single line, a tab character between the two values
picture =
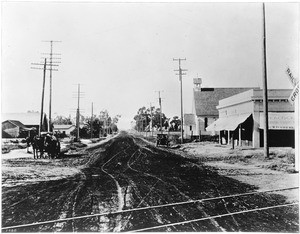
162	139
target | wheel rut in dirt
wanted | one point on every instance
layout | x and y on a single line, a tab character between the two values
126	173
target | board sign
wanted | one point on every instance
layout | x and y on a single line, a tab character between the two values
294	94
279	121
291	77
295	83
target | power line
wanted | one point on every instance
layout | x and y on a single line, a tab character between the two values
147	208
213	217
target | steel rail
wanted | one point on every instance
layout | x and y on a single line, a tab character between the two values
213	217
144	208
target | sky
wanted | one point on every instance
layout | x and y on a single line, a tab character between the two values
122	54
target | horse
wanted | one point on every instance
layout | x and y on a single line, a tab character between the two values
29	141
38	146
52	146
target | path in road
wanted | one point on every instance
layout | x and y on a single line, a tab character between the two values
127	172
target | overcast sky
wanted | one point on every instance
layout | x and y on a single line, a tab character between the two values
122	53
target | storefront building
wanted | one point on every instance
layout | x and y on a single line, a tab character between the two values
205	103
241	119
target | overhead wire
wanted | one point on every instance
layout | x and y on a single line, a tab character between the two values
212	217
145	208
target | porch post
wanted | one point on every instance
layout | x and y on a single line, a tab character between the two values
240	135
228	137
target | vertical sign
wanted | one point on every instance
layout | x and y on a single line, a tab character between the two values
294	99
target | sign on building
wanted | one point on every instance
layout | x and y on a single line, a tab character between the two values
279	121
294	94
295	83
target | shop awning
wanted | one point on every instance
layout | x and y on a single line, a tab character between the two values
230	123
217	125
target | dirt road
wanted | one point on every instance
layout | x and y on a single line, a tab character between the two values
127	173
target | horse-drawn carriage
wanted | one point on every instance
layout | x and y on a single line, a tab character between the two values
44	143
162	139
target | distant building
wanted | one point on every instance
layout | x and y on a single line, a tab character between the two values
27	120
205	103
189	125
241	118
14	129
64	128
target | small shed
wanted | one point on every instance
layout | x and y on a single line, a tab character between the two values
14	129
189	125
28	119
64	128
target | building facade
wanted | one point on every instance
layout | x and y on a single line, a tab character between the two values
14	129
205	104
189	126
64	128
28	120
241	118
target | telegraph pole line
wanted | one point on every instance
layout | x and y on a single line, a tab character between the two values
265	89
160	107
50	86
181	99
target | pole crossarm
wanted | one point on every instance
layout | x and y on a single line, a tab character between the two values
42	64
48	69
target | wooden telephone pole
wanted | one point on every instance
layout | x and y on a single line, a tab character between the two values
151	122
78	113
160	107
265	89
42	104
181	98
92	122
43	87
51	63
78	95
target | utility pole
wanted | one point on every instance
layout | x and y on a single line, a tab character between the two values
181	99
265	89
78	96
50	86
151	123
78	113
44	64
42	104
92	123
159	101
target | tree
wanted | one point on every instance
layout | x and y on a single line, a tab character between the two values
101	125
143	118
175	124
93	124
62	120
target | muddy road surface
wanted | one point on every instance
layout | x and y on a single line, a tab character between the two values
127	173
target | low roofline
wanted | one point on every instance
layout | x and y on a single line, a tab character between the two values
253	95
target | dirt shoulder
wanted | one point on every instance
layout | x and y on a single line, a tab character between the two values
250	166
